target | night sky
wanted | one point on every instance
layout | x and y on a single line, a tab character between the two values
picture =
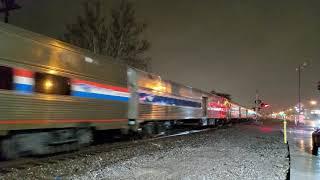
230	46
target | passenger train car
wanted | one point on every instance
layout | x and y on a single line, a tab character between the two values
54	96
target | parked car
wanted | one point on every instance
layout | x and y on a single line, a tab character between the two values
316	139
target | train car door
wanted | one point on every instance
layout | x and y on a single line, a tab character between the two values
204	106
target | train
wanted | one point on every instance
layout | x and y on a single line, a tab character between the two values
54	96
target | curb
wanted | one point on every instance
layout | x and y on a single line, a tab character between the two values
288	173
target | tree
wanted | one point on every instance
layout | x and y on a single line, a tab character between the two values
121	38
90	30
6	7
124	40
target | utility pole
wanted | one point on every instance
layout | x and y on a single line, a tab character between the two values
7	6
257	103
299	92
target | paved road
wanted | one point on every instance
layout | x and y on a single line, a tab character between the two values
304	164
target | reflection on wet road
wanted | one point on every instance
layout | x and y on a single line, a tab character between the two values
304	164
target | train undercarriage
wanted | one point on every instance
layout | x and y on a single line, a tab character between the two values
42	142
50	141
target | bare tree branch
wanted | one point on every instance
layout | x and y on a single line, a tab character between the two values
121	38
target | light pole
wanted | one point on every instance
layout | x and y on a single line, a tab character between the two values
299	69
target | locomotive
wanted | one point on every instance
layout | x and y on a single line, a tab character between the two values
54	96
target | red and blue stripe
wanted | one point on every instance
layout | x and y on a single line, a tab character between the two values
23	80
88	89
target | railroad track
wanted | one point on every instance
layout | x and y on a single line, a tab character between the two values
28	162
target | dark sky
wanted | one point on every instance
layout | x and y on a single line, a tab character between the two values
231	46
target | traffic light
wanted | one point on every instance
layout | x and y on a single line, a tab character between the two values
319	85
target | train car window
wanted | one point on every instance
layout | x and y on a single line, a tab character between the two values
52	84
6	78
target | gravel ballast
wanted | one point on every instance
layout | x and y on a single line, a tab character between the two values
238	152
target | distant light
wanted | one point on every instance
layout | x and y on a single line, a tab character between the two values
315	111
313	102
282	114
88	60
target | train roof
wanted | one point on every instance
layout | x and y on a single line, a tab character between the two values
40	53
170	81
43	39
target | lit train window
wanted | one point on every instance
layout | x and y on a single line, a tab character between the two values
52	84
6	78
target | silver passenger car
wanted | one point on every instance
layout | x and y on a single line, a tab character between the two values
53	93
154	99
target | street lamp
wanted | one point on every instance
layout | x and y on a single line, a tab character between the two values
299	69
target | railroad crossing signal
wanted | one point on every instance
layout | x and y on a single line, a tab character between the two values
258	101
264	105
8	5
261	104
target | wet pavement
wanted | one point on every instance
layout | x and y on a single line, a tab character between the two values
303	163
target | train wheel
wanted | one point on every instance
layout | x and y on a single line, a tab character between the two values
84	137
212	122
203	122
148	129
9	149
